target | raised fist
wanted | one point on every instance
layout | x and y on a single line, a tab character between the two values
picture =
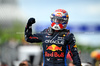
31	21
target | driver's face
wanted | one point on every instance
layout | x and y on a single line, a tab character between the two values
59	21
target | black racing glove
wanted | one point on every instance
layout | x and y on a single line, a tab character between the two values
28	28
31	21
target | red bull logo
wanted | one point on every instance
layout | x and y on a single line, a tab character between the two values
54	48
54	54
59	14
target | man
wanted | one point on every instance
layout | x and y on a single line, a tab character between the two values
56	39
25	63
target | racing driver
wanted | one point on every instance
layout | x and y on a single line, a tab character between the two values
57	40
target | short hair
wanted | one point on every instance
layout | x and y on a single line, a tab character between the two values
23	64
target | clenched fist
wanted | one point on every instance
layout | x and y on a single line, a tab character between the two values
31	21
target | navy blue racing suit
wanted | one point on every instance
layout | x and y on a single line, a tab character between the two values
56	45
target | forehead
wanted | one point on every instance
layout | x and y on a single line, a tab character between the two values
25	62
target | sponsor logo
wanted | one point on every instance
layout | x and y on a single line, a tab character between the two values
54	47
48	36
54	41
48	59
60	38
74	39
54	54
59	59
59	14
75	46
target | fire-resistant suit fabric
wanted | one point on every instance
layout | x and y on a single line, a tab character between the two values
56	45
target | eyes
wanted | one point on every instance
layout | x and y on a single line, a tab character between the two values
60	21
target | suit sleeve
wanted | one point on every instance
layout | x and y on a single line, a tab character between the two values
73	50
29	37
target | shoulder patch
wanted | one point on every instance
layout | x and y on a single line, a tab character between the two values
75	46
64	35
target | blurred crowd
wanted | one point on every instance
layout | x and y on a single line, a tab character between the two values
13	53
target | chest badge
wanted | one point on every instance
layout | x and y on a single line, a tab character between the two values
54	47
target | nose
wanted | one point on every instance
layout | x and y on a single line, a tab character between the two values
59	21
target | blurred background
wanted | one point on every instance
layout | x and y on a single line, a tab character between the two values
84	22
